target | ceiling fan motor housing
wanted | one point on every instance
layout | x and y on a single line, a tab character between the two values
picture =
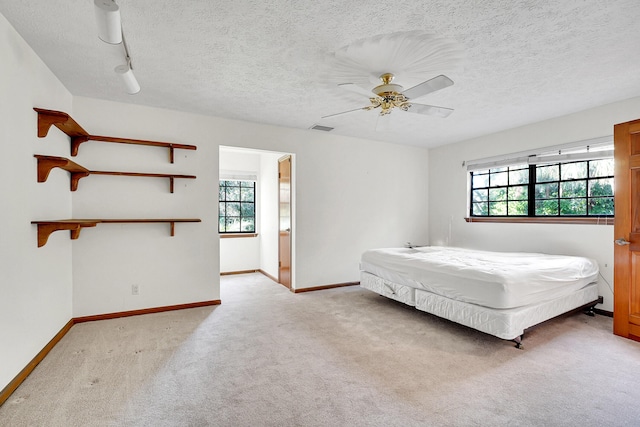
387	89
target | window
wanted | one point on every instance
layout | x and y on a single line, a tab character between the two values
563	189
237	207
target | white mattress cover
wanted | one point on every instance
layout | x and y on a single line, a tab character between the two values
507	323
491	279
389	289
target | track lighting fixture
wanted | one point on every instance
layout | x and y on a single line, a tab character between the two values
128	78
108	20
110	31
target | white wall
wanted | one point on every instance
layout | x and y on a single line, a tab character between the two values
110	258
239	254
448	192
35	283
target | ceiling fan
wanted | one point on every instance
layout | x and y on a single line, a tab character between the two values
389	95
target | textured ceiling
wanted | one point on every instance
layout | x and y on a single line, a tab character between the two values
269	61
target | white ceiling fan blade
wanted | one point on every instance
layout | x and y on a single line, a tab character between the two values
430	110
352	87
432	85
345	112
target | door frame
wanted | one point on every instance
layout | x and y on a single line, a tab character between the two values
290	284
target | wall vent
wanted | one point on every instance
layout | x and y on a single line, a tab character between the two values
322	128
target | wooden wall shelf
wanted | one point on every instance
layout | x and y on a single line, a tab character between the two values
45	228
77	135
76	172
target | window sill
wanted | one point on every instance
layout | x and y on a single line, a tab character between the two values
544	220
236	235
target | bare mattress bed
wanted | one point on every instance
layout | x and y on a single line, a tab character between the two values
498	293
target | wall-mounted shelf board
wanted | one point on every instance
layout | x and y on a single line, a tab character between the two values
76	172
45	228
77	135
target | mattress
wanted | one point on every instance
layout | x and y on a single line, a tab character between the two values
497	280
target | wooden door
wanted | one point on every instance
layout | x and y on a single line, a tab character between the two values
284	204
626	304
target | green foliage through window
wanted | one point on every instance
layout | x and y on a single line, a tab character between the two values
236	207
583	188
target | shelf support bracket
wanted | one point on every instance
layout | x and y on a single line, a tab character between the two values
61	120
46	164
45	121
75	143
45	229
75	178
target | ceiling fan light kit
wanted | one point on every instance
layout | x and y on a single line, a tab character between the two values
389	96
110	31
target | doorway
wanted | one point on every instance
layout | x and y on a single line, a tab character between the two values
259	251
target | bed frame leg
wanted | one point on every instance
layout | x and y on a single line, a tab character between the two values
591	309
518	341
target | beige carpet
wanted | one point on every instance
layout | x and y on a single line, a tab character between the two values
340	357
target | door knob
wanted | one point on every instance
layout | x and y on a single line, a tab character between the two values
622	242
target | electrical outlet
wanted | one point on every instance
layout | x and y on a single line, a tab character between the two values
135	290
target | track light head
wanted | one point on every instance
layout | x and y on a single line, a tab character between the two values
128	78
108	20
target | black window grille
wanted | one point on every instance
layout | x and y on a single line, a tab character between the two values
575	189
237	207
